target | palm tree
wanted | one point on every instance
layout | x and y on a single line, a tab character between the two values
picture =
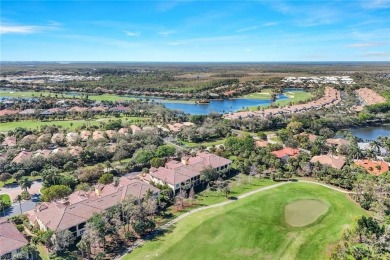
19	199
3	205
25	183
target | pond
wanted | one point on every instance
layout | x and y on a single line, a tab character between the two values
371	132
221	106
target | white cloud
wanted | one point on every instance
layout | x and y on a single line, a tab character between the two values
166	33
383	55
376	4
132	34
26	29
364	44
270	24
251	28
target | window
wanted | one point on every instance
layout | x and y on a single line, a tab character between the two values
6	256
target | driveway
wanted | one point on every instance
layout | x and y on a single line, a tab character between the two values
14	210
15	190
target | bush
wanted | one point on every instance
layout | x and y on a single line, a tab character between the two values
106	178
26	195
20	227
130	236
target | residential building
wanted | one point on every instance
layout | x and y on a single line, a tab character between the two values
379	150
286	153
9	141
22	156
11	240
73	212
373	167
188	171
336	142
337	162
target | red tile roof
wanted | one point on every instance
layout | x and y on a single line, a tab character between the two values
372	166
287	151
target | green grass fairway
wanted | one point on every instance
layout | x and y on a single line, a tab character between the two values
255	228
301	213
35	124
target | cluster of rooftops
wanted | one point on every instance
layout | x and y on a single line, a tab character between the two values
331	97
369	97
61	110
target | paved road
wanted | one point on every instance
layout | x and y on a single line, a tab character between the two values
15	190
14	210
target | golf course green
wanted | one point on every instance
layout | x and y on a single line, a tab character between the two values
301	213
255	227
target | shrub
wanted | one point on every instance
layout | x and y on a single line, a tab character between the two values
26	195
106	178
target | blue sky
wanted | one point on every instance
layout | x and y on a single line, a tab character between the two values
195	30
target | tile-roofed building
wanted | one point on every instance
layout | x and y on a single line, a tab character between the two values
123	131
27	112
176	173
369	97
331	160
331	97
98	135
72	137
261	143
135	129
75	150
31	137
7	112
77	109
98	109
119	109
11	240
176	127
44	153
73	212
9	141
52	111
285	153
373	167
57	138
312	138
336	141
85	135
110	133
22	156
44	138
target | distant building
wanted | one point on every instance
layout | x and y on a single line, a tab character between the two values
9	141
286	153
336	142
367	146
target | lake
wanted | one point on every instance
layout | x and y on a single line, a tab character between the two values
371	132
221	106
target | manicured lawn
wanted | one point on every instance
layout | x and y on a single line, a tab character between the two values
206	144
12	180
255	228
35	124
30	94
264	94
293	98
